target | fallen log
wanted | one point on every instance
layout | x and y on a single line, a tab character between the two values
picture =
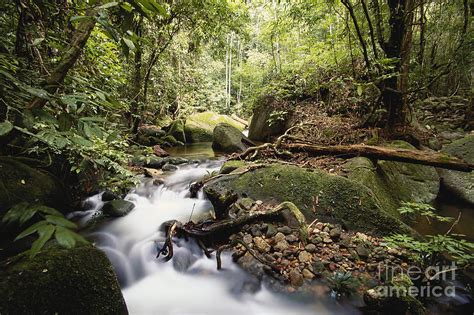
384	153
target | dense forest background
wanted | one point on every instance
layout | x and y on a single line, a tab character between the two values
78	78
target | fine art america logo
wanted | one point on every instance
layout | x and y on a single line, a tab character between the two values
436	281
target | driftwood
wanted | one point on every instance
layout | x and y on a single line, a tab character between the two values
384	153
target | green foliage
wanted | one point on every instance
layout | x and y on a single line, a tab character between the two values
343	283
426	210
430	250
52	223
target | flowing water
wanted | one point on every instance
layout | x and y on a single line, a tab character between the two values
189	283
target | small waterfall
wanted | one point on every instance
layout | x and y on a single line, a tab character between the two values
189	283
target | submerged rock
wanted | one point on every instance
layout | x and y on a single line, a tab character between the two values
117	208
460	183
227	138
317	194
199	127
62	281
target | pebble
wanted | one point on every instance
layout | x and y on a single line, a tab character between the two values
307	274
281	245
304	257
327	240
261	245
296	278
285	230
247	239
310	248
279	237
316	240
292	238
335	233
362	251
255	231
271	231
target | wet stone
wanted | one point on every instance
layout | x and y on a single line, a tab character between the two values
362	251
335	233
281	246
292	238
255	231
296	278
247	238
271	231
307	274
261	244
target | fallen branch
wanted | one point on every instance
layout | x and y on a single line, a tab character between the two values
384	153
167	248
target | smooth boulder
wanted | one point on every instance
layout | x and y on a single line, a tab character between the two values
61	281
316	193
460	183
199	127
117	208
227	138
395	182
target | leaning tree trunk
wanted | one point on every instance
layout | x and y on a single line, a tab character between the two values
68	58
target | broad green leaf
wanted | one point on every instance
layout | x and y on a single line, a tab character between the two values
32	229
15	212
48	210
5	128
109	5
129	43
61	221
65	237
45	232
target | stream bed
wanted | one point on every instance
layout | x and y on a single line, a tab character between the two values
190	282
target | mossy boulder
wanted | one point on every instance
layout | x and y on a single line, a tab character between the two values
150	135
261	127
62	281
230	166
199	127
20	182
460	183
316	193
395	182
176	130
227	138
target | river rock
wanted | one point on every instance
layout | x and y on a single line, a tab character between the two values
347	202
311	248
279	237
281	245
395	182
158	151
296	278
176	130
61	281
261	245
271	231
117	208
109	196
199	127
227	138
169	167
261	126
460	183
304	257
362	251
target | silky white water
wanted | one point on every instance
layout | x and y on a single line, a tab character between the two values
189	283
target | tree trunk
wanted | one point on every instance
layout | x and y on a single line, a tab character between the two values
384	153
68	58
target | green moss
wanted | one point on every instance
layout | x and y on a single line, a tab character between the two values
20	182
199	127
394	182
74	281
317	194
177	130
231	166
